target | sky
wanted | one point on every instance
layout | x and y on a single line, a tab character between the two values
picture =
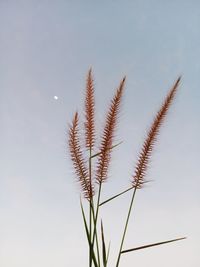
46	50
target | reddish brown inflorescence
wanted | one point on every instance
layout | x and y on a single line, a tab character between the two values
78	159
89	112
108	135
145	154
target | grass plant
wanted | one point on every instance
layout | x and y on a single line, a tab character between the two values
91	166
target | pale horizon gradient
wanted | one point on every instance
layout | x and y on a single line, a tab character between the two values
46	49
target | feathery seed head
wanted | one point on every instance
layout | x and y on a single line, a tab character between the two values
89	112
148	145
78	160
108	134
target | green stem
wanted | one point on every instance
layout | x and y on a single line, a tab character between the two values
98	254
88	236
125	228
95	235
95	218
90	207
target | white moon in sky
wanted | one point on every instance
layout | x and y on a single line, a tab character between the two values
55	97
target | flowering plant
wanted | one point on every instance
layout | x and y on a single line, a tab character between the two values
92	178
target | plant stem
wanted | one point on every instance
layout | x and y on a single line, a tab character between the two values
90	203
95	236
88	236
95	218
126	225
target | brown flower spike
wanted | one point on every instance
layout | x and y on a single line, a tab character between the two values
77	158
145	154
108	135
89	112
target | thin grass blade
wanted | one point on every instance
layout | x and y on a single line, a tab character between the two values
103	246
152	245
115	196
123	192
110	148
108	253
88	235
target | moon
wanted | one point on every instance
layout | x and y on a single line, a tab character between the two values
55	97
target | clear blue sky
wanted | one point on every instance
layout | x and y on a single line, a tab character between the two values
46	49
